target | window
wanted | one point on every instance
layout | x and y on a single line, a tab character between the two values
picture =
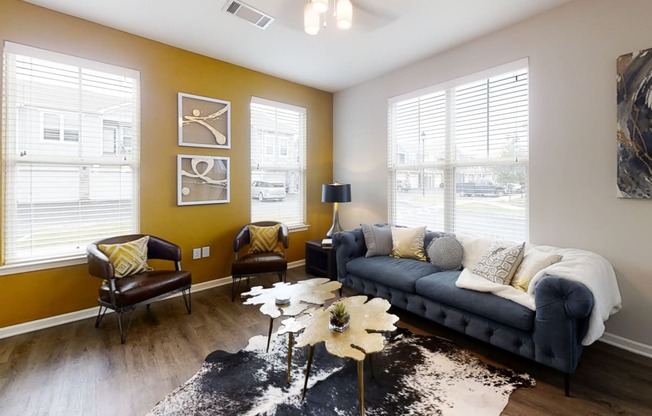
278	162
70	155
458	155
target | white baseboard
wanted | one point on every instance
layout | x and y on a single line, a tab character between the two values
10	331
627	344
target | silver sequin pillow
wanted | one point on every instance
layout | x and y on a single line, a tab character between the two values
499	263
446	253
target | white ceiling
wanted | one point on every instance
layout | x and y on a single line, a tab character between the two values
386	34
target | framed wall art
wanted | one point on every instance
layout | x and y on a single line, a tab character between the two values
203	180
634	125
204	122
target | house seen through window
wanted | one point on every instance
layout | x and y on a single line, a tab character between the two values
70	154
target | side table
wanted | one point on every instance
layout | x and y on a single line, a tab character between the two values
320	261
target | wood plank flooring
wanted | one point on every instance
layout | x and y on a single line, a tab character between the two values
76	369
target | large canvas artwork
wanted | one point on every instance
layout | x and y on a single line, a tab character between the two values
634	80
203	180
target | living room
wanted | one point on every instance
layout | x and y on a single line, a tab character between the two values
573	202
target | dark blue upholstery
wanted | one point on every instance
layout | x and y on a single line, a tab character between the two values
441	288
399	274
552	335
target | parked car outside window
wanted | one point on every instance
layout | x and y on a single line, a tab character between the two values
266	190
403	186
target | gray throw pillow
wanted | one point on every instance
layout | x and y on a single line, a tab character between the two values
446	253
378	238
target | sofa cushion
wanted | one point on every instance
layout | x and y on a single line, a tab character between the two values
441	288
378	239
446	253
395	273
407	243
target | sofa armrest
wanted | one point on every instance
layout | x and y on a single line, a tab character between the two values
348	245
557	298
562	320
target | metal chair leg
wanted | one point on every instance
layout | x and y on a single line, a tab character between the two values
187	300
100	315
123	331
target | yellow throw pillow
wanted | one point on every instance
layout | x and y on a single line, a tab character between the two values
533	262
407	243
499	263
127	258
264	239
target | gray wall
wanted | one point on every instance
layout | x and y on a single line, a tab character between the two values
572	51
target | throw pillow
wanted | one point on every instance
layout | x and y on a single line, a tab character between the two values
407	243
499	263
378	239
533	262
446	253
263	239
127	258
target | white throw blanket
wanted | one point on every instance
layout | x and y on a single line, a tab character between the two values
591	269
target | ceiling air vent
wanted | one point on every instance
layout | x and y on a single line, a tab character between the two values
248	13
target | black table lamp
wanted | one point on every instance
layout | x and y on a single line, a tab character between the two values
335	193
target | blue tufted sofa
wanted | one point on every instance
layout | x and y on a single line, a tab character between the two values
551	335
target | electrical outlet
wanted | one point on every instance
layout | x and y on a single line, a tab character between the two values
205	251
196	253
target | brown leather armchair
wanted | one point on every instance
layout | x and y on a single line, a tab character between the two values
248	265
124	294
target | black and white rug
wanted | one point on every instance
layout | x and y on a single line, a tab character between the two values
414	375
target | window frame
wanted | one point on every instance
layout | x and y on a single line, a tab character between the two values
276	137
87	165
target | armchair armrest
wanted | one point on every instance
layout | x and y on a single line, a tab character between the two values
161	249
98	263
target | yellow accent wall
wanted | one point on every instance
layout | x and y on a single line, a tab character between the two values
165	71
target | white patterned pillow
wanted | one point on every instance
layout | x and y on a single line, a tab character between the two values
499	263
127	258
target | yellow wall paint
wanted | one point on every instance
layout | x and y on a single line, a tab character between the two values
165	71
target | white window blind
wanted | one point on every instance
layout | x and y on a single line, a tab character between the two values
70	154
278	162
458	155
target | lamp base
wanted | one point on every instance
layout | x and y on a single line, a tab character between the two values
336	227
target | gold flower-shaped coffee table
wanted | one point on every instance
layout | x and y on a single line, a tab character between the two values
356	342
299	297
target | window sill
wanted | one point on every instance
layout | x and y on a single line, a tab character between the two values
298	227
41	265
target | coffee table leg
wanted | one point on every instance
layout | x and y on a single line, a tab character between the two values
269	333
290	339
305	382
361	385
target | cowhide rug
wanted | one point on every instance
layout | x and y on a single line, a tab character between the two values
414	375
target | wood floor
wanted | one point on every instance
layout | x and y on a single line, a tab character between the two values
76	369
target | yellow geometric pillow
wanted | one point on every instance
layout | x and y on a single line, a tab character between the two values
264	239
128	258
407	243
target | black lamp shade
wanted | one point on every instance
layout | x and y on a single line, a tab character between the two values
336	192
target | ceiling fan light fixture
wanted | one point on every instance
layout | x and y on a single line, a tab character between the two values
344	12
319	6
311	20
